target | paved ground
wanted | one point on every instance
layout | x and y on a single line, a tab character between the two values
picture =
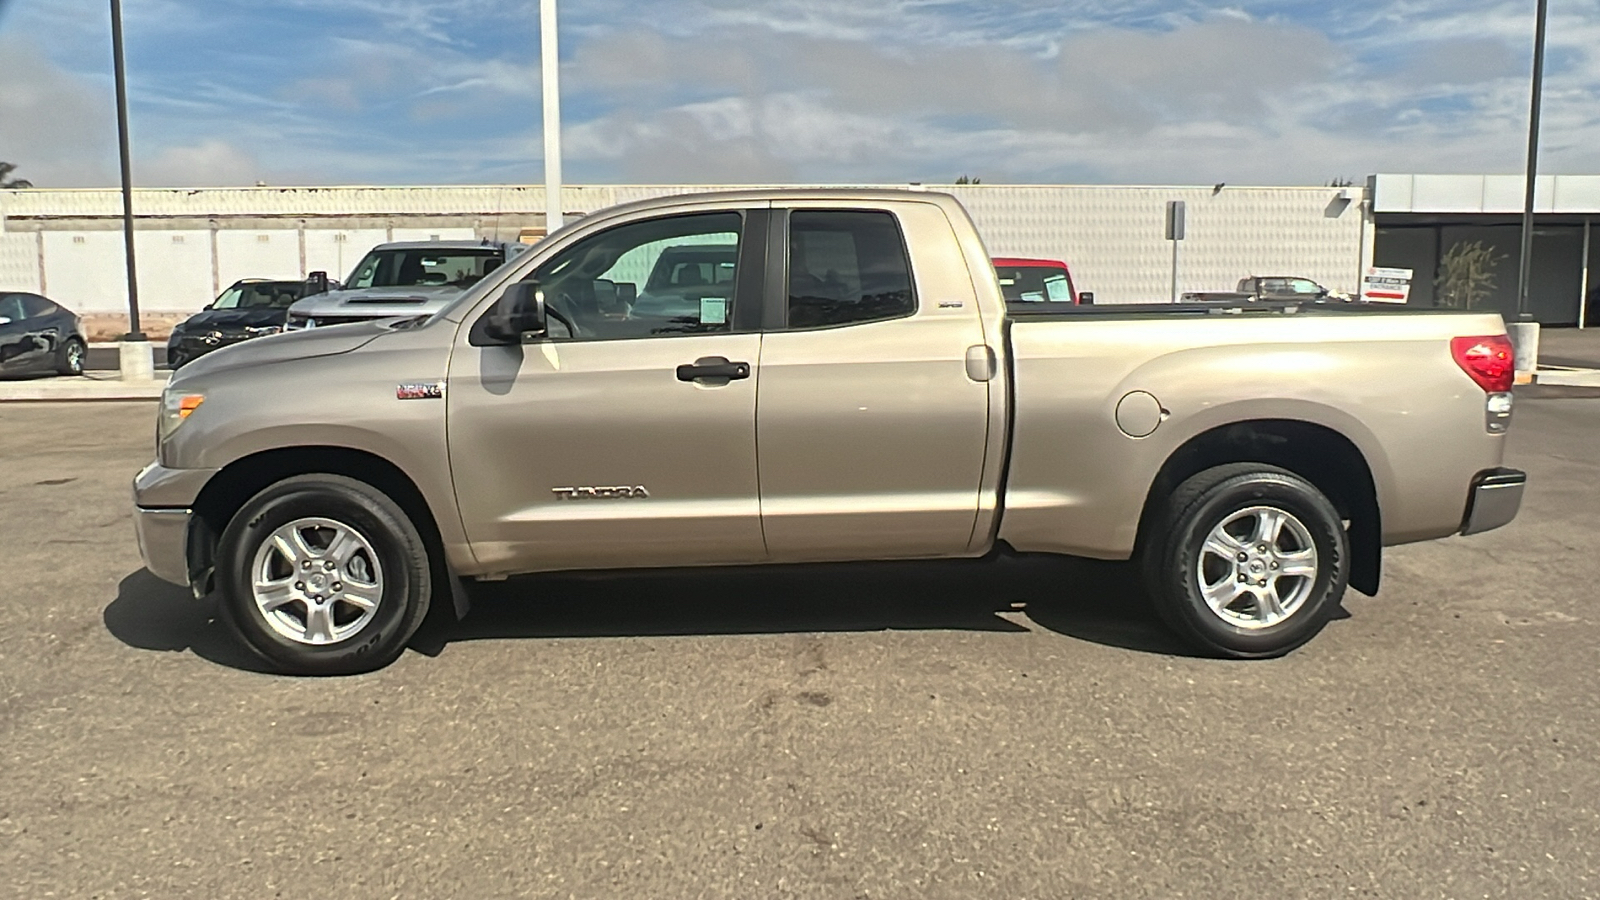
996	730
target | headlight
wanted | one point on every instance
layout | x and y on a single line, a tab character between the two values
262	330
175	409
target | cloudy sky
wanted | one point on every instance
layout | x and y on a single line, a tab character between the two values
1112	91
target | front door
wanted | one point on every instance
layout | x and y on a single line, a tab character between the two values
626	437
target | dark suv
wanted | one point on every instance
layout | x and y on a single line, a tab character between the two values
250	308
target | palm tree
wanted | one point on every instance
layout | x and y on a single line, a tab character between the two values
6	181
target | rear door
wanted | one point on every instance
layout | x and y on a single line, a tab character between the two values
870	425
627	437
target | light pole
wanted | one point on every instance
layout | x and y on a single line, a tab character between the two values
549	64
1524	332
135	356
1533	164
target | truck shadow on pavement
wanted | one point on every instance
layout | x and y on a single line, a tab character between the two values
1097	602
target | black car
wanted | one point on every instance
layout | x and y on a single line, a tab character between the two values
249	309
39	335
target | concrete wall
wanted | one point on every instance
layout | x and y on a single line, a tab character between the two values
191	244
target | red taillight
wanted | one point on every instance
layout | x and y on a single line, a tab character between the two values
1490	360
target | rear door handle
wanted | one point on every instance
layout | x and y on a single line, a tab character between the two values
713	368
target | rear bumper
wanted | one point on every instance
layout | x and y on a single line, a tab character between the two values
1494	500
163	536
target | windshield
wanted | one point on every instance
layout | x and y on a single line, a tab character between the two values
424	266
259	295
1035	284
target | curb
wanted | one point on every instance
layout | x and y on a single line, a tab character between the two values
1567	377
47	390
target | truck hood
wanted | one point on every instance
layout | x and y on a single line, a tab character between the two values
413	300
284	347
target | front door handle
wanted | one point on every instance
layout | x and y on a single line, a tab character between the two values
714	369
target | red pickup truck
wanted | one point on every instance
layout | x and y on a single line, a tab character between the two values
1038	281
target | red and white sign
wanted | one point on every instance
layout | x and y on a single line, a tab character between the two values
1386	285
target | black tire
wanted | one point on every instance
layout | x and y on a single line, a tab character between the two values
1174	564
404	588
70	357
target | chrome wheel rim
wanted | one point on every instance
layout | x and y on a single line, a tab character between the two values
1257	567
316	581
75	356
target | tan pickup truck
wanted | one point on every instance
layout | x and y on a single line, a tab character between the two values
821	375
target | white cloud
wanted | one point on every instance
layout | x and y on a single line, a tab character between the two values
54	125
211	163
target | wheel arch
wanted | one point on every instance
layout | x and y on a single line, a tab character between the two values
1321	455
234	484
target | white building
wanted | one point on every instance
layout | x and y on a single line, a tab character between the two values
191	244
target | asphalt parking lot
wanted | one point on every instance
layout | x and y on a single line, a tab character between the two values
1017	728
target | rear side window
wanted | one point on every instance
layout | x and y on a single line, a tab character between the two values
34	305
846	268
11	307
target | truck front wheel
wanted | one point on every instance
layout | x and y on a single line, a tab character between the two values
323	575
1247	561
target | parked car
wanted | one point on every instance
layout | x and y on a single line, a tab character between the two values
1025	280
330	485
1270	288
406	278
40	335
252	308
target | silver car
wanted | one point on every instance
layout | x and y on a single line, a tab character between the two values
406	278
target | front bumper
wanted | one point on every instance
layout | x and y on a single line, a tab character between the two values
1495	499
163	501
163	542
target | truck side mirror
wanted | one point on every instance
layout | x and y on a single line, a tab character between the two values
316	283
1086	298
519	311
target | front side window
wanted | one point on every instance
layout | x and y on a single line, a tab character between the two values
259	295
659	277
846	268
411	267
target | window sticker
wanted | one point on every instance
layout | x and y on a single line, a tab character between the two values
713	310
1057	289
1032	297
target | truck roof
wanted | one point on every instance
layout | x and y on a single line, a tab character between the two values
446	245
1027	261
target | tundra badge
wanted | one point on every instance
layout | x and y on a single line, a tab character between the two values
620	492
419	390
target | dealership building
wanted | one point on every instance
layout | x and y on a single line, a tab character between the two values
1459	234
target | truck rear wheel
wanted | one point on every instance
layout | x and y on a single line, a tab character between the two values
323	575
1247	561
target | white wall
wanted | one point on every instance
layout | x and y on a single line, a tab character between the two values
19	262
1113	237
174	271
336	251
433	234
84	270
257	253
